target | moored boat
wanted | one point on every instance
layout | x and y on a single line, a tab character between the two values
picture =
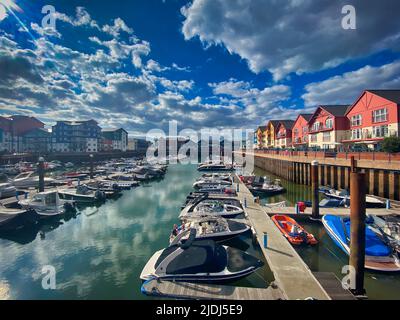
199	260
82	194
29	179
378	255
210	207
293	231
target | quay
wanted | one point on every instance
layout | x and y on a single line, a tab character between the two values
293	280
382	176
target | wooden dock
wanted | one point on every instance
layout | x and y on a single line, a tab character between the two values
333	286
187	290
292	275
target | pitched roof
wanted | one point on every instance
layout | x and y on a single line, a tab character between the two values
392	95
288	124
336	110
274	122
262	128
306	116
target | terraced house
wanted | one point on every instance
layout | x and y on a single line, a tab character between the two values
260	138
115	139
300	131
374	116
328	126
284	134
271	133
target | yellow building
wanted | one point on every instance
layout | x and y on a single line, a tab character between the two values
270	134
261	137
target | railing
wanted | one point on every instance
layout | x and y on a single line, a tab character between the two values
371	155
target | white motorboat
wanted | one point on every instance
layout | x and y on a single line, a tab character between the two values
344	195
9	169
29	180
7	190
215	228
206	183
82	193
46	204
214	166
211	208
387	228
199	260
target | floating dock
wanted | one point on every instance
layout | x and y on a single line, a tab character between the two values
187	290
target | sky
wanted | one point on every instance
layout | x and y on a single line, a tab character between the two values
203	63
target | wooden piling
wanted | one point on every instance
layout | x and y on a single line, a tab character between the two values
41	174
91	166
357	230
315	187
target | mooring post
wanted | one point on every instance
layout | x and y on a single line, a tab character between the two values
41	174
357	230
315	187
91	165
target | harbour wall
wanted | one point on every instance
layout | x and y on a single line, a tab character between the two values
382	177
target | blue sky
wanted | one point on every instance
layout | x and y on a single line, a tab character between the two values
203	63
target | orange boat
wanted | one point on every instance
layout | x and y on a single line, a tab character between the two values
295	233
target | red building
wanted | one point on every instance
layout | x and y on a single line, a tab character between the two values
374	115
283	137
328	126
14	128
300	130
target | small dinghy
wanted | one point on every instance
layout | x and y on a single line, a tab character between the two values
46	204
215	228
292	231
199	260
378	255
212	208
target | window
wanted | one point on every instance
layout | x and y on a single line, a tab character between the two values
305	129
356	134
381	131
316	126
296	132
379	115
329	123
327	136
313	138
356	120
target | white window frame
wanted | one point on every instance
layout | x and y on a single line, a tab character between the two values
356	120
380	115
330	121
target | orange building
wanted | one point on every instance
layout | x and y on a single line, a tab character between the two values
300	130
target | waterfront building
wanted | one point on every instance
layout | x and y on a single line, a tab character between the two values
284	134
13	129
36	141
76	136
115	139
300	131
270	133
261	137
374	116
328	127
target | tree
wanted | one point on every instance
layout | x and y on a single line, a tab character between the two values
391	144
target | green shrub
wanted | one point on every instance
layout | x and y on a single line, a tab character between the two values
391	144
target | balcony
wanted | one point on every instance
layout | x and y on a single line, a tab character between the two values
320	129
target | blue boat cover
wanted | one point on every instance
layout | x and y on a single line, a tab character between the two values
373	245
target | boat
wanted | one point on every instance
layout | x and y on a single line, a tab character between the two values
75	175
82	193
28	180
215	228
46	204
110	190
12	218
214	166
344	195
378	255
217	188
7	190
69	165
9	169
387	228
207	183
211	207
217	176
122	185
262	185
292	231
281	204
199	260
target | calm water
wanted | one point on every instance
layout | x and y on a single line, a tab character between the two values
100	253
326	256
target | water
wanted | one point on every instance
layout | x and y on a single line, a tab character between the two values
326	256
100	253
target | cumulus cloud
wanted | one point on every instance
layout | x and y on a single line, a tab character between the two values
345	88
115	30
295	36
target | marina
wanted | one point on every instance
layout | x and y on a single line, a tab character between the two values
139	217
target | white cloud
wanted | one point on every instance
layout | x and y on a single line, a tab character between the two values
347	87
295	36
82	18
115	30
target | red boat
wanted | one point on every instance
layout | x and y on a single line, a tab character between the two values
292	231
